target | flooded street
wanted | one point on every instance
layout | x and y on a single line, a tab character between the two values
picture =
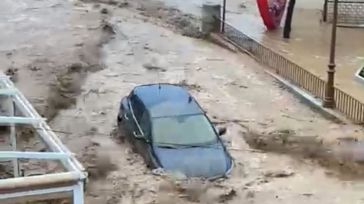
233	89
40	39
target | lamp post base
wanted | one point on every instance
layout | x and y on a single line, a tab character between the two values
329	100
328	103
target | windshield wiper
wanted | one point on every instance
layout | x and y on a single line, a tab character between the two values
177	146
167	145
207	144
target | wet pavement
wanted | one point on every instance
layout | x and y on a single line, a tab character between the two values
309	45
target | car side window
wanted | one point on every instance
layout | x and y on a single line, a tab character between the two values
145	124
137	107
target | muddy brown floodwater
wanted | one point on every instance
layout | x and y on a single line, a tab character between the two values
234	91
271	167
43	41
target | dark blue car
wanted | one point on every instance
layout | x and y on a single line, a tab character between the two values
167	126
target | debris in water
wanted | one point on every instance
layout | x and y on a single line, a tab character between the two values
123	4
75	67
227	196
108	27
234	83
146	47
79	44
34	68
242	5
152	67
12	73
184	83
112	2
158	172
279	174
104	11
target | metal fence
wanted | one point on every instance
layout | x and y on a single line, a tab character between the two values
349	12
348	105
292	72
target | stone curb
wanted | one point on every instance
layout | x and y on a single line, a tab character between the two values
215	38
309	100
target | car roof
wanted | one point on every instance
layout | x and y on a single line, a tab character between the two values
163	100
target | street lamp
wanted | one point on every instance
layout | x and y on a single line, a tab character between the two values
329	100
324	13
223	16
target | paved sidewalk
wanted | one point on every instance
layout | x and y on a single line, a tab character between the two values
309	45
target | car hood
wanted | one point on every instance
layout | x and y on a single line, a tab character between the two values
207	162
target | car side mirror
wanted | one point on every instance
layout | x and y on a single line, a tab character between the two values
221	131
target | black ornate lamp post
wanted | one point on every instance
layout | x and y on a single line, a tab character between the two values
329	101
223	16
324	13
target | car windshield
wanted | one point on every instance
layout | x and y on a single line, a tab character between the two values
183	130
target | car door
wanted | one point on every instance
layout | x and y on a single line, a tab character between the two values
130	110
144	146
138	136
139	128
136	110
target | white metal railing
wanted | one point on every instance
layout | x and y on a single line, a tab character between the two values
72	181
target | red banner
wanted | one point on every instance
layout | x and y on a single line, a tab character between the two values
271	12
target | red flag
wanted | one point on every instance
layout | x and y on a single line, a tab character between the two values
271	12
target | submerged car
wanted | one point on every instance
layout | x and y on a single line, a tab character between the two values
170	130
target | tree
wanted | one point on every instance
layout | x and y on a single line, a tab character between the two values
288	23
